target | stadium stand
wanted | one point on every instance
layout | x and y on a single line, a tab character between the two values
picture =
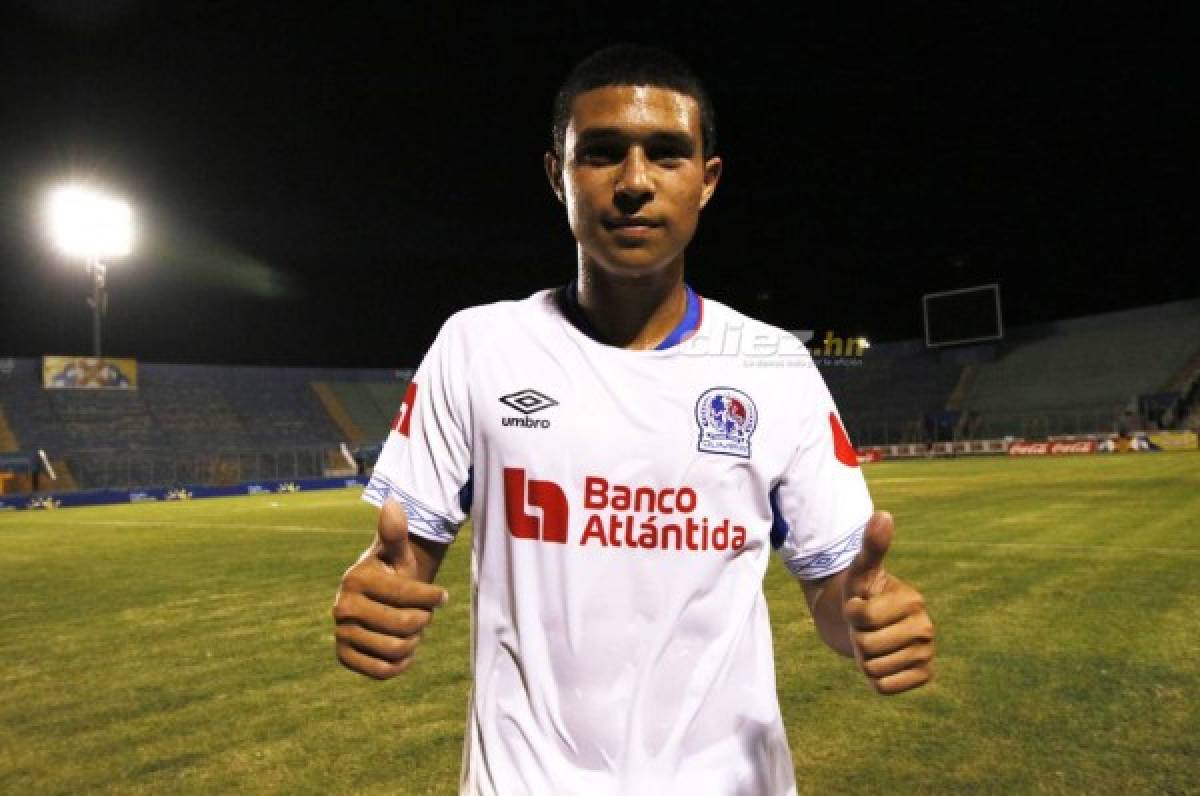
191	411
376	402
194	422
362	410
276	406
8	442
1082	373
1184	412
966	382
887	396
82	417
1186	376
1069	377
221	425
30	413
338	412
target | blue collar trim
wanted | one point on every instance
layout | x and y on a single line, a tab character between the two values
687	325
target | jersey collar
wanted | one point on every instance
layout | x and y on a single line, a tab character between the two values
568	301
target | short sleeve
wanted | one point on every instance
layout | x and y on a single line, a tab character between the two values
425	464
820	504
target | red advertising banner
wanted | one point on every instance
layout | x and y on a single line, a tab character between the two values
1051	448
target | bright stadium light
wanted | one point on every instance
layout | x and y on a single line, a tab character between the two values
87	225
864	343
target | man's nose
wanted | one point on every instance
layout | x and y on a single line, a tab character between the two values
633	183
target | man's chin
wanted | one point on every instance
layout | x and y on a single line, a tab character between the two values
634	263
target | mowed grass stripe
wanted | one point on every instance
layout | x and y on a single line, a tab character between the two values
217	526
186	648
1097	500
1035	651
199	694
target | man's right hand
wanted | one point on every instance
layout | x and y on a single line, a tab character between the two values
383	605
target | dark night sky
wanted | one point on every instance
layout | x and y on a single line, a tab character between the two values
323	187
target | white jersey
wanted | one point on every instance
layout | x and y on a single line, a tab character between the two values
624	507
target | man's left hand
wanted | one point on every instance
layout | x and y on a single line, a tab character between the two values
889	628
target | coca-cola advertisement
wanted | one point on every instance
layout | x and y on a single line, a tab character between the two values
1051	448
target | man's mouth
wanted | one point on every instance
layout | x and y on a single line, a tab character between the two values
632	223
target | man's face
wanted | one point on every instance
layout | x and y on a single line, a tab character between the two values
633	176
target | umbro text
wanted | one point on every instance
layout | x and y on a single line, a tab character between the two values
525	422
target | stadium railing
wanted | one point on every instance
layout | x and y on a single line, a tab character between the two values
867	431
110	469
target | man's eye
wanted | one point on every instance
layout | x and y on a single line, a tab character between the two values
669	155
600	155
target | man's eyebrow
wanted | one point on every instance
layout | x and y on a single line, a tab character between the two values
606	135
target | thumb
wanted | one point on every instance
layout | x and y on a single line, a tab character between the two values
394	548
865	572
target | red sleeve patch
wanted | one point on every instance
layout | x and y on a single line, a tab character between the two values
842	448
404	415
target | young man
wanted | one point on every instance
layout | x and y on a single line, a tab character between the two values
627	478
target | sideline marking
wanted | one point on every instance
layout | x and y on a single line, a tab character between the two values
225	525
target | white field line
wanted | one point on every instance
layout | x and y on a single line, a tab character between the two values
251	526
278	501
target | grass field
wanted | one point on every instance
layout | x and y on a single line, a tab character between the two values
186	648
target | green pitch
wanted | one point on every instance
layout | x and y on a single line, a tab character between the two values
186	648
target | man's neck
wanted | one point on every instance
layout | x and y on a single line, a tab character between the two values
634	312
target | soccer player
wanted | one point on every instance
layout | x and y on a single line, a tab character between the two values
628	470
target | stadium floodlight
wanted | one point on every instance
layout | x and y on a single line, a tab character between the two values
864	343
86	224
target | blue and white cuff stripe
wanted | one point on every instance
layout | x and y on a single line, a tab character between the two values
422	520
829	561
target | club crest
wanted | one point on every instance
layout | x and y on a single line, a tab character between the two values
727	417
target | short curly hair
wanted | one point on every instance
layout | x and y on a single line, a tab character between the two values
633	65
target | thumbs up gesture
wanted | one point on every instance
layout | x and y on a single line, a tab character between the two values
889	629
385	600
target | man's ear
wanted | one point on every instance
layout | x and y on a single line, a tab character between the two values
554	173
712	175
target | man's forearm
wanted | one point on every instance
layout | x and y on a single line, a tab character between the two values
429	557
825	604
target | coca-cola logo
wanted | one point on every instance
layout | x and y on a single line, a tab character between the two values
1084	446
1050	448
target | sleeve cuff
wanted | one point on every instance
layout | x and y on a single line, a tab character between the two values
422	520
830	561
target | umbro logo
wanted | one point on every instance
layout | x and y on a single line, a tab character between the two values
527	402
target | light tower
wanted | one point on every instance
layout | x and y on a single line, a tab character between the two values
88	225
